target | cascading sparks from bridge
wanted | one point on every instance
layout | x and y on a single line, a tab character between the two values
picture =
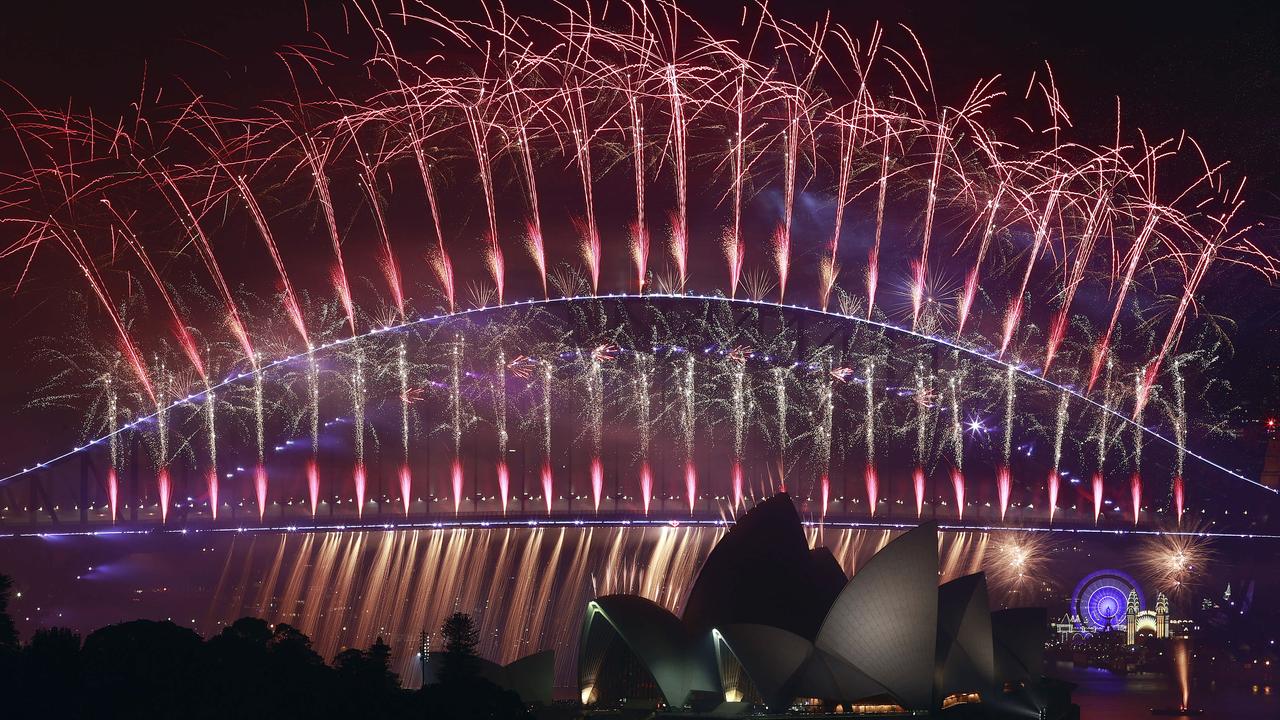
1055	478
957	446
643	369
1135	480
687	399
406	475
1004	479
259	427
500	426
1104	419
1180	437
358	472
871	480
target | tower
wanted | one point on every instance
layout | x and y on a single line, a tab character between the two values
424	654
1162	616
1131	618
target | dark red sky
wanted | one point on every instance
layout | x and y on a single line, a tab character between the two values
1213	72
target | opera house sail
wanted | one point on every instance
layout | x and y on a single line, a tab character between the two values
772	624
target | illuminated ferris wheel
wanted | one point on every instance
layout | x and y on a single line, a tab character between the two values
1100	600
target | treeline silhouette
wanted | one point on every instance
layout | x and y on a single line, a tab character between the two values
148	669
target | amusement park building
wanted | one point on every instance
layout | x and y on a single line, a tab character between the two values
770	622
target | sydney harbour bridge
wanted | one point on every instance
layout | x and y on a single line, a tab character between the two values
635	410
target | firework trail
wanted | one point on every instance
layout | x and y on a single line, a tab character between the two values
291	306
1209	249
921	266
735	248
204	247
873	257
80	254
1096	221
1133	260
680	217
439	257
957	447
965	305
524	147
1013	316
782	236
830	267
211	430
639	229
479	129
1060	427
390	267
180	329
587	226
316	159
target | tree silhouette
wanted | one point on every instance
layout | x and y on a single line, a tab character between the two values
461	662
8	633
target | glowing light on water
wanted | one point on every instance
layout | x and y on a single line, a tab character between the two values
1182	671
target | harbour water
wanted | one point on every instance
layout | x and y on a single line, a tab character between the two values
1104	695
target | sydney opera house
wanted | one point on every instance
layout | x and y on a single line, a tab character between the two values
774	626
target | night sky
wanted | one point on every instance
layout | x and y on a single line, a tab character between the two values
1210	74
